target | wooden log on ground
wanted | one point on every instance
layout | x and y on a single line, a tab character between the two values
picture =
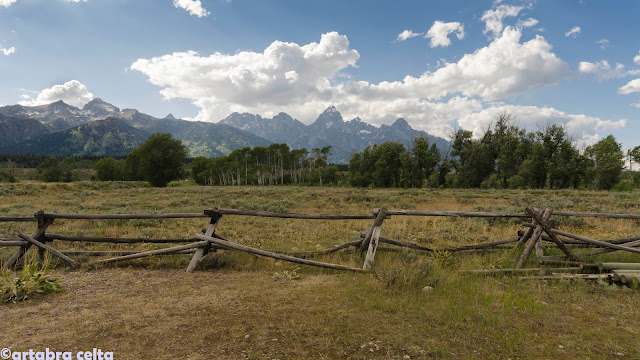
542	222
582	265
50	249
537	232
97	239
524	270
631	280
270	254
286	215
619	266
123	216
550	257
375	237
153	252
567	276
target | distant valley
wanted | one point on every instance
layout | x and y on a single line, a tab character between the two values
102	129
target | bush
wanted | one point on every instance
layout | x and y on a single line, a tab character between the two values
109	169
6	176
30	281
54	170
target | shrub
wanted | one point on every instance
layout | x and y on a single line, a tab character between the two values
54	170
109	169
31	280
6	176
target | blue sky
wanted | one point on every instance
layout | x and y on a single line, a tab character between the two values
573	62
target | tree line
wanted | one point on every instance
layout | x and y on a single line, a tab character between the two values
275	164
504	156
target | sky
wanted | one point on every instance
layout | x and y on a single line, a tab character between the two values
441	65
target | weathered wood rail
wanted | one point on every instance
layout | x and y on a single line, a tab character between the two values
202	244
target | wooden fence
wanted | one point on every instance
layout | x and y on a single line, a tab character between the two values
535	223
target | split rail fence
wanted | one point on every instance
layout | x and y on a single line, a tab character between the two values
535	222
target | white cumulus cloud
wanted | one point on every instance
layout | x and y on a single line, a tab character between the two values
528	22
303	80
407	34
439	33
8	51
636	59
194	7
493	18
285	73
631	87
72	92
603	70
574	32
76	1
7	3
504	68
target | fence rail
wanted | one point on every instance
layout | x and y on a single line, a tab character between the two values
202	244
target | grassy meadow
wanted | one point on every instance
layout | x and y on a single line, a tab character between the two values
236	305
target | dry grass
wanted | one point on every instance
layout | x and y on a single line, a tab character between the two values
234	307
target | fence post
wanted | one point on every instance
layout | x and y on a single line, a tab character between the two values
43	224
375	237
202	251
531	243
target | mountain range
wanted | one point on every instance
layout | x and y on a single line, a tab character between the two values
102	129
